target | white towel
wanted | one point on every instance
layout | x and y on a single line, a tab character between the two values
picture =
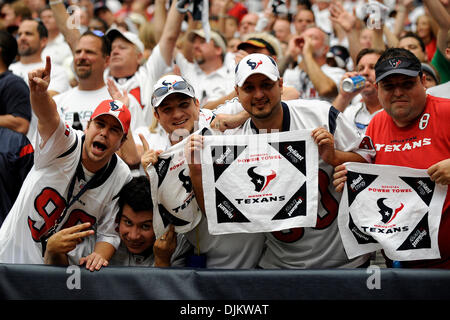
261	182
397	209
172	193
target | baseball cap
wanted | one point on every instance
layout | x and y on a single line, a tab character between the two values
429	69
169	84
218	40
256	63
340	54
116	109
129	36
397	65
262	40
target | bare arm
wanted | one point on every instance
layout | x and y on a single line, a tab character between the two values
325	141
439	13
159	18
349	23
442	17
72	35
42	103
211	105
324	85
18	124
170	33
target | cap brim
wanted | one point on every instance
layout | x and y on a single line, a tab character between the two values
270	76
243	45
161	99
114	33
109	114
406	72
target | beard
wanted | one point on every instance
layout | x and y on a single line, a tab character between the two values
26	51
83	73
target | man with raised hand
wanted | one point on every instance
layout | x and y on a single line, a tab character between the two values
75	178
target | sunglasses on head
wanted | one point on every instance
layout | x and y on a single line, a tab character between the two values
98	33
180	85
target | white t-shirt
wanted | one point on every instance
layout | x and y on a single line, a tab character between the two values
440	91
59	82
58	50
207	87
359	116
299	79
44	196
319	247
84	103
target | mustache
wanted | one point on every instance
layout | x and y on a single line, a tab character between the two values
83	63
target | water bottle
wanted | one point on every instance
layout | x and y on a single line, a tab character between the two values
76	124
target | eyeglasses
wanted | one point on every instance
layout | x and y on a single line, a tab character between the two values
180	85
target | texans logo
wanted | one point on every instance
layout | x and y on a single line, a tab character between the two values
186	181
168	84
260	181
253	65
113	106
395	62
387	213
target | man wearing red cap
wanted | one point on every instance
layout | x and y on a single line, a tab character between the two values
75	179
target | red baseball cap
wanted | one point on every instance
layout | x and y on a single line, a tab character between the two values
116	109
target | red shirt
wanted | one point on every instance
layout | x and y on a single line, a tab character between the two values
419	145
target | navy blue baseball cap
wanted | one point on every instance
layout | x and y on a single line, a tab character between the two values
397	65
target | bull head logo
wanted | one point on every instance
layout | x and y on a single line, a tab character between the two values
258	180
387	213
186	181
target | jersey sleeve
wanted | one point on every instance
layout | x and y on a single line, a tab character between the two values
60	144
348	139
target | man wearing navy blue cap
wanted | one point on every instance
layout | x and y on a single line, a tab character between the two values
411	131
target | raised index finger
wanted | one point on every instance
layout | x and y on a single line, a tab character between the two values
144	142
48	65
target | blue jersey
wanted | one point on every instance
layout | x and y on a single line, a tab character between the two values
16	160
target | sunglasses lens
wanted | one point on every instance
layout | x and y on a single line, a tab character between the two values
180	85
160	91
